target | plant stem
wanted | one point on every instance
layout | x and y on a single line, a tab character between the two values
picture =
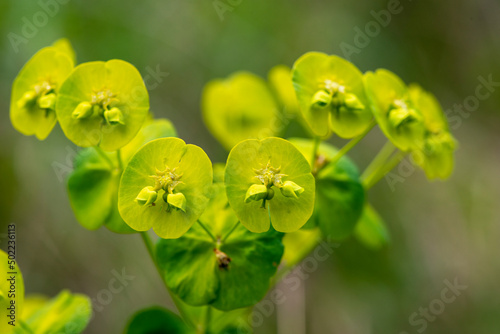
208	316
151	250
347	147
206	230
381	157
317	140
25	327
231	231
384	169
119	158
105	156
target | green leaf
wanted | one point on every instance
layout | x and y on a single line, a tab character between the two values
340	195
156	320
105	85
371	230
93	185
230	272
238	108
192	170
246	162
10	303
42	75
65	313
331	95
398	117
90	188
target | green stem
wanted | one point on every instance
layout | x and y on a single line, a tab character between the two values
380	159
347	147
208	316
151	250
207	230
119	158
231	231
317	140
380	173
105	156
25	327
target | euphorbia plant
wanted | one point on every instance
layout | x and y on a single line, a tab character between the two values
226	233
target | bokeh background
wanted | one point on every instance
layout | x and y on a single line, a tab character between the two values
439	231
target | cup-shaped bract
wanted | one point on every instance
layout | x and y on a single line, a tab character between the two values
436	154
331	95
271	162
93	184
238	108
64	46
401	120
119	101
169	166
280	80
434	118
33	99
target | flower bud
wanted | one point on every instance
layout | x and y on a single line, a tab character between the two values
352	102
47	101
147	196
82	111
28	98
177	200
270	193
401	116
321	99
256	192
291	189
342	110
114	116
408	125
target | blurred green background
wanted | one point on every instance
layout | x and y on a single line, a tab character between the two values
440	231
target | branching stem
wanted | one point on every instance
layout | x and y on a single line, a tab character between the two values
151	250
119	158
380	159
379	173
207	230
347	147
104	156
317	141
231	231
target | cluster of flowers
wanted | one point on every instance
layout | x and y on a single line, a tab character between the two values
135	175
